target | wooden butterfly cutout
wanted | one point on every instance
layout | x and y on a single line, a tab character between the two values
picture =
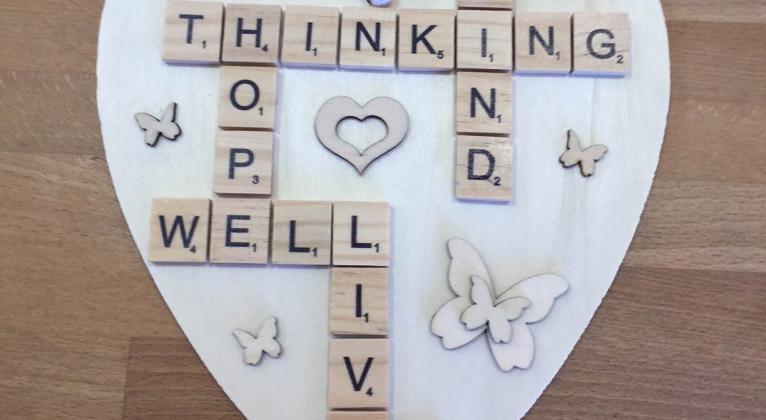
264	342
586	158
155	128
504	317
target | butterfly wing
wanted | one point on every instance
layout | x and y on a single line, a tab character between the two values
167	124
499	326
477	315
589	158
267	338
573	154
268	329
465	262
570	158
146	121
244	338
253	351
540	292
519	352
573	141
596	152
149	124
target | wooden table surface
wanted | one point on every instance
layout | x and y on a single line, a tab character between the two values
84	332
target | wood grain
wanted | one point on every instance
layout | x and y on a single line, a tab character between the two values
86	335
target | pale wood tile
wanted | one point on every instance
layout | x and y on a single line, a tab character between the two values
368	38
301	233
426	40
248	97
243	162
178	230
543	43
358	374
486	4
484	103
252	34
359	301
361	234
357	415
240	231
311	36
484	169
601	44
484	40
192	32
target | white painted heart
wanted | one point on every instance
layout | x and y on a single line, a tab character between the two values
559	221
335	110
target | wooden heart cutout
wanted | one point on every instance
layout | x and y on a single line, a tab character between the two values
334	111
559	221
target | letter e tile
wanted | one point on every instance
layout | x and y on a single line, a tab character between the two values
239	231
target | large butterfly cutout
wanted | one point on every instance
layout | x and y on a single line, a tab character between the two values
504	317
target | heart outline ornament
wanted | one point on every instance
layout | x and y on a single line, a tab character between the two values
340	108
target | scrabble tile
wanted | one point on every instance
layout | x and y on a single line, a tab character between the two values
358	374
252	34
192	32
310	36
484	103
485	4
484	40
178	231
484	169
359	301
239	231
368	38
357	415
248	97
601	44
427	40
360	234
543	43
301	233
243	162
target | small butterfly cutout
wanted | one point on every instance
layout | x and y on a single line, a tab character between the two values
586	158
504	317
163	127
495	315
264	342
